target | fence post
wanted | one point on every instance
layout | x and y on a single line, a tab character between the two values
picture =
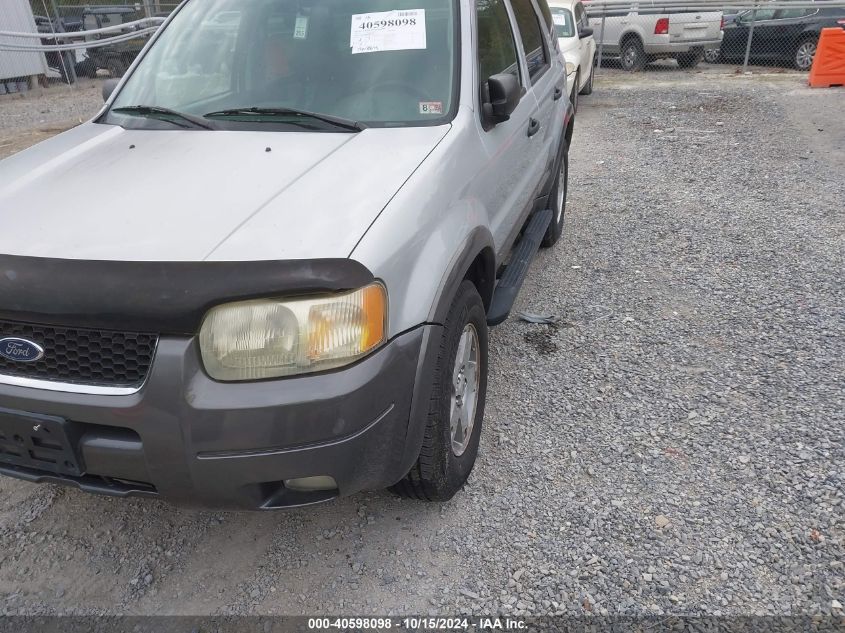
601	42
67	65
748	43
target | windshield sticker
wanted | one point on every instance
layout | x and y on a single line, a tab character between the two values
300	29
388	31
431	107
559	19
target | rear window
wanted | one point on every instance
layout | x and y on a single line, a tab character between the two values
532	37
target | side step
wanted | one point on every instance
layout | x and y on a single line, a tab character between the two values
511	281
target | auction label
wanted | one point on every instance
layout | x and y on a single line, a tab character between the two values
399	30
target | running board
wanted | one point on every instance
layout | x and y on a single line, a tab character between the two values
517	270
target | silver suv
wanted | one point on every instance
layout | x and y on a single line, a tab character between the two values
262	276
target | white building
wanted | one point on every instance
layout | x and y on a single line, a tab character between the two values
16	16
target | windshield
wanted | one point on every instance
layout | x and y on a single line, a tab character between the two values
564	24
378	62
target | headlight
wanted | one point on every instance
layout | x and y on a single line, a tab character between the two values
270	338
570	68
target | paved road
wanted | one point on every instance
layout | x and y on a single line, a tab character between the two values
673	445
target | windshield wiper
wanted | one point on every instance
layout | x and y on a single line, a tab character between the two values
164	114
340	122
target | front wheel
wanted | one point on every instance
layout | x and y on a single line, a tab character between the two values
115	67
456	408
804	53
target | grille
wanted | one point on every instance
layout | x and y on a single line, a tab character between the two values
82	356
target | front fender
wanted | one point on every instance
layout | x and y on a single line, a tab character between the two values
432	230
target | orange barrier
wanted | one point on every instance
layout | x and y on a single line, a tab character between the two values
829	62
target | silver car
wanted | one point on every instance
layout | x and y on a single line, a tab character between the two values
262	276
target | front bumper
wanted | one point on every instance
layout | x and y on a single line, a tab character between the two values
193	441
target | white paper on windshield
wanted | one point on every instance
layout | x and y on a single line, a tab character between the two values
300	29
399	30
559	19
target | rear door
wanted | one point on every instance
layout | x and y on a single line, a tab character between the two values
691	27
791	24
547	80
736	37
506	183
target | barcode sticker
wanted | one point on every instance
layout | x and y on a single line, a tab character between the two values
388	31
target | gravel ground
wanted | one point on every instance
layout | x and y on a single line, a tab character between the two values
674	445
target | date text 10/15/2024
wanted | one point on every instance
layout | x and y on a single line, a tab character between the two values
416	624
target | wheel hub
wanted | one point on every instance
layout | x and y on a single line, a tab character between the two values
465	379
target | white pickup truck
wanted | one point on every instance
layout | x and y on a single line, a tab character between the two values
641	32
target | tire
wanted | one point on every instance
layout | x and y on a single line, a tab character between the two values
712	56
588	87
558	196
86	68
802	59
447	457
631	55
573	96
690	59
115	68
65	64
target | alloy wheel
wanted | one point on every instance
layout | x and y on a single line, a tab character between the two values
804	55
465	380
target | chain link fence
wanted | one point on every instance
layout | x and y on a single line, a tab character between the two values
779	34
48	41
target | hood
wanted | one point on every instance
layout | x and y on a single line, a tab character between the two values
102	192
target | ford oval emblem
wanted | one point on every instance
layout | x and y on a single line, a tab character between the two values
20	350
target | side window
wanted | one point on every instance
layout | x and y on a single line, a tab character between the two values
547	18
785	14
762	14
580	16
532	37
496	46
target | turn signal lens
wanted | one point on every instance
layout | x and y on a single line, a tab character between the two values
661	27
271	338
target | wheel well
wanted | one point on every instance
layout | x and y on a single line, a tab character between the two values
806	36
628	37
482	273
568	133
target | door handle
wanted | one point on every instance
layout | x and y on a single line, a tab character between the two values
558	93
533	127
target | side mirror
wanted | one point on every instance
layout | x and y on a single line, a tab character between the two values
585	32
505	92
108	87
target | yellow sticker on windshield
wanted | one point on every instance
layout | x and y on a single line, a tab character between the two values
388	31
